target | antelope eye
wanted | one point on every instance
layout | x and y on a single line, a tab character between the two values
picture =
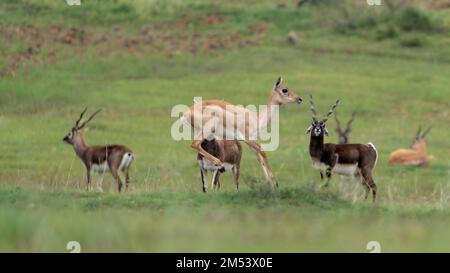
285	90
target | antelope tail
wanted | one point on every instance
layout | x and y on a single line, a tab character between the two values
370	144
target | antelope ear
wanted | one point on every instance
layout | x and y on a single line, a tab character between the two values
325	131
309	130
279	80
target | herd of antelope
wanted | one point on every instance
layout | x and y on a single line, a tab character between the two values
219	150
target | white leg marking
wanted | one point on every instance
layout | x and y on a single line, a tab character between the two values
100	181
91	175
233	171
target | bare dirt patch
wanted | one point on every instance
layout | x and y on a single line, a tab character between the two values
213	19
25	46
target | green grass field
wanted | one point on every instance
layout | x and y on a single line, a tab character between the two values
137	59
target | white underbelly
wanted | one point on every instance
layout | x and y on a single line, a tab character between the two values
346	169
101	168
342	169
208	165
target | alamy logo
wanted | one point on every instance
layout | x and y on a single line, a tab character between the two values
374	247
73	2
74	247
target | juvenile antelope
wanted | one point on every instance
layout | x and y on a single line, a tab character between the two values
209	120
114	158
227	151
344	132
416	156
356	160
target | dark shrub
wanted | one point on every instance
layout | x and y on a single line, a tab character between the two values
387	31
122	8
413	19
412	41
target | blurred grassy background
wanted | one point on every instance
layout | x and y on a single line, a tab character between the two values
137	59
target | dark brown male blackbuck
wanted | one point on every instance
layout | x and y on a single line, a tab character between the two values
344	132
356	160
114	158
227	151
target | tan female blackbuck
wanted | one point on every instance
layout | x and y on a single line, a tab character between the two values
114	158
417	156
218	119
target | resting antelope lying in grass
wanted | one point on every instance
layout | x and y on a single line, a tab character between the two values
227	151
209	119
356	160
416	156
114	158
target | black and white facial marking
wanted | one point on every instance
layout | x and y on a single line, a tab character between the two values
317	128
69	137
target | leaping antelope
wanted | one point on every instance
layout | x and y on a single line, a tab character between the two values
343	132
416	156
229	152
356	160
114	158
209	120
